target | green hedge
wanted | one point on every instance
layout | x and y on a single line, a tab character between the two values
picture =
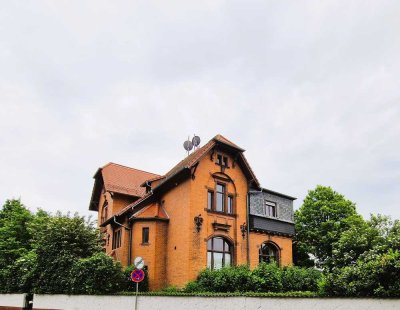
301	279
264	278
374	275
98	274
232	294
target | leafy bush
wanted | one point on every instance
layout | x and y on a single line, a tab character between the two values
20	276
129	285
264	278
228	279
62	241
52	254
98	274
193	287
268	278
300	279
171	289
373	275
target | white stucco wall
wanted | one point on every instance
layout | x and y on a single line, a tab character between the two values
12	300
208	303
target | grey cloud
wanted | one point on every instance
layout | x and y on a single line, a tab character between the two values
310	89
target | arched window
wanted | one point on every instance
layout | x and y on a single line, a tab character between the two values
269	253
219	253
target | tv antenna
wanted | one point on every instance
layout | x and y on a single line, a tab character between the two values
189	145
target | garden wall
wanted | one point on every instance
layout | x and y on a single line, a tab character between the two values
12	301
207	303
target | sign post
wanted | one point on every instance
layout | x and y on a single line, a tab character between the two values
139	262
137	275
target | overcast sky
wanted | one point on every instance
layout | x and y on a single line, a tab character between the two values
311	90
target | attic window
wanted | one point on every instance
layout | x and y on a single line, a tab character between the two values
222	160
219	159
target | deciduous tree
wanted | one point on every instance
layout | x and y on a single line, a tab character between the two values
319	222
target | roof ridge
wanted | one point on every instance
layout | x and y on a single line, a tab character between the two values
188	160
221	138
112	163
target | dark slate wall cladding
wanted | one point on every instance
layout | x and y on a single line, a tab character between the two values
284	205
270	225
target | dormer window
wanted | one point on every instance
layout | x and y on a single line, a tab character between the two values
219	159
222	160
270	209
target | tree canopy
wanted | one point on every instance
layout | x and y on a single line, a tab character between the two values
319	222
359	257
14	234
46	253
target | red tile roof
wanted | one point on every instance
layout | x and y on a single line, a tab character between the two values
196	155
189	161
125	180
222	139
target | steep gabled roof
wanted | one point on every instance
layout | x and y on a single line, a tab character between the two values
119	179
191	160
125	180
222	139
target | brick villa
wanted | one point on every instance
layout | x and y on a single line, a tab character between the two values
207	211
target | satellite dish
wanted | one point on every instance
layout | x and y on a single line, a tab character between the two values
188	145
196	141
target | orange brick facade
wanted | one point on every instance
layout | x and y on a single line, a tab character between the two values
177	247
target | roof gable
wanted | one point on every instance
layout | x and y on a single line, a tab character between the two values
130	181
119	179
125	180
191	160
222	139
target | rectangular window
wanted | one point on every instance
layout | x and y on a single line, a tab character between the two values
222	160
210	200
104	213
270	208
145	234
219	159
230	205
220	198
116	242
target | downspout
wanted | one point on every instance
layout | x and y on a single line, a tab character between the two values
130	244
248	228
130	239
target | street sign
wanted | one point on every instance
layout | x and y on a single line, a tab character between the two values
138	262
137	275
